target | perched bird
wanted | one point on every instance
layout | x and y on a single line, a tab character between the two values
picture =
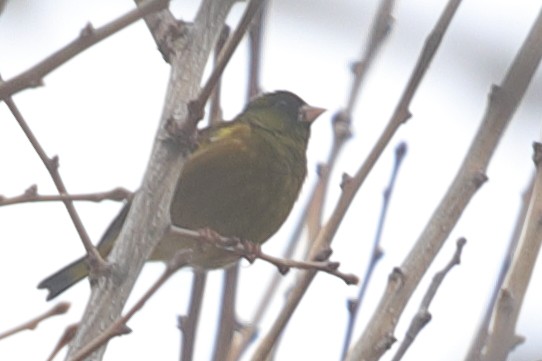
241	181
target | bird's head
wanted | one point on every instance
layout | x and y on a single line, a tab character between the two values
282	112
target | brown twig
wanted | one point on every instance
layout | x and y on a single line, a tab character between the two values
503	101
255	36
250	251
342	120
118	328
504	338
58	309
89	36
196	106
215	115
189	324
423	316
31	195
228	322
95	260
479	340
65	339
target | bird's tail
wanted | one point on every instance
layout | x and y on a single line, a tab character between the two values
65	278
77	270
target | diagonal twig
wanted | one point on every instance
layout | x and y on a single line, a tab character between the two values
89	36
95	260
58	309
423	316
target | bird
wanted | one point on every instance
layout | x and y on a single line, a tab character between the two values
241	181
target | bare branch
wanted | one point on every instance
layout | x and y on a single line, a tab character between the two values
423	316
196	106
342	120
58	309
376	252
251	251
31	195
95	260
89	36
503	339
479	341
65	339
227	321
118	328
189	324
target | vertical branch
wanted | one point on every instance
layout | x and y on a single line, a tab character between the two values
189	324
423	316
342	120
227	322
479	341
215	115
503	339
255	36
376	252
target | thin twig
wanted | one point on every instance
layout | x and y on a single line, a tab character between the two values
189	324
342	120
250	251
376	252
255	33
65	339
479	340
89	36
227	321
504	338
196	106
31	195
215	115
423	316
58	309
117	328
503	101
95	260
352	185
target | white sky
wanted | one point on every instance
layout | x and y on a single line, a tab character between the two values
99	114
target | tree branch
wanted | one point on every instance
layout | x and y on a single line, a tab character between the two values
503	339
58	309
89	36
31	195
